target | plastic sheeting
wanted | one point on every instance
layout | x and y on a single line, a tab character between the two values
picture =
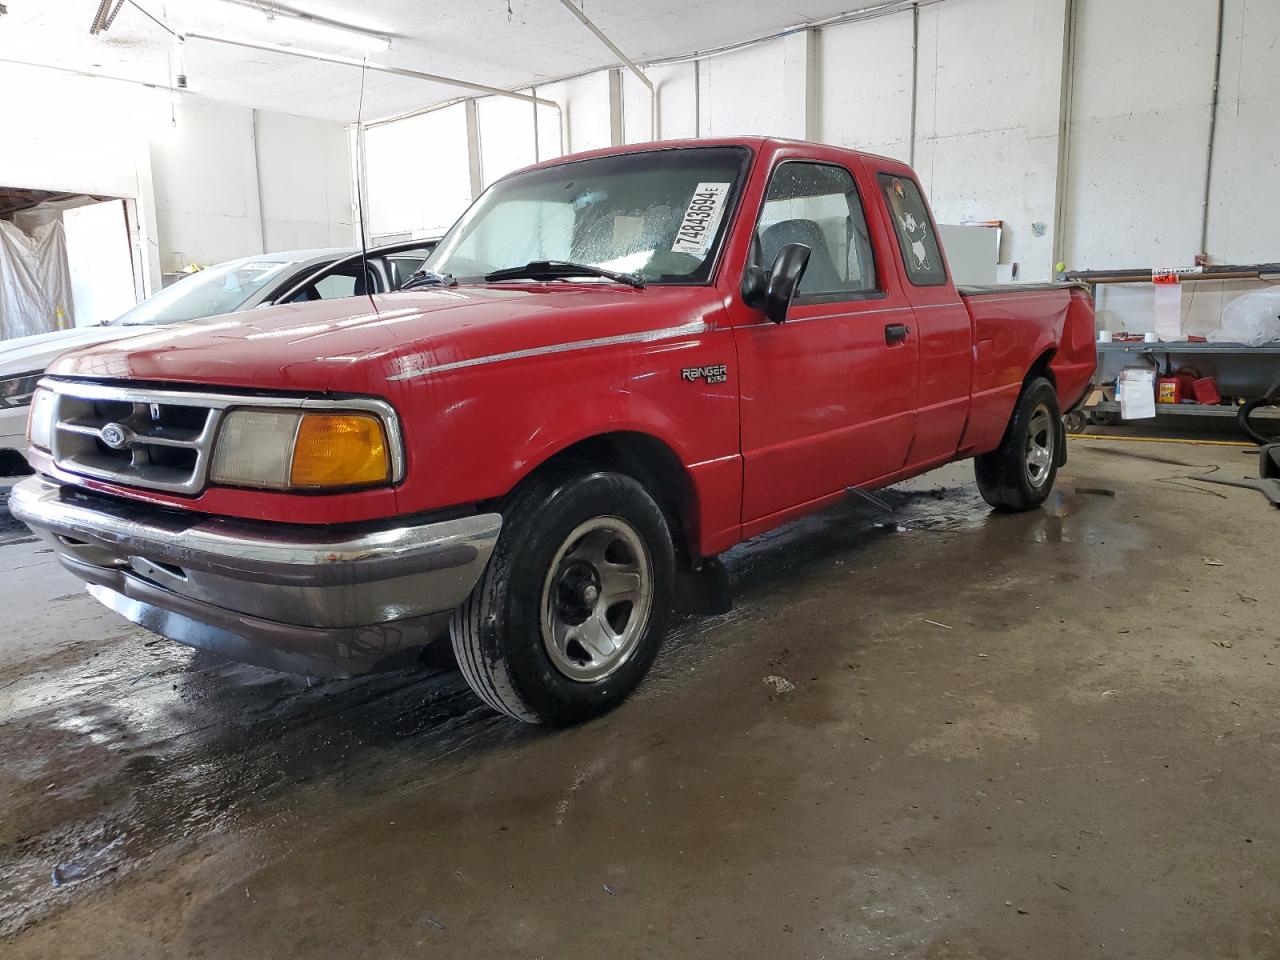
1252	319
35	281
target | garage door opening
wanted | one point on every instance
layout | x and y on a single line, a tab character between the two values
66	260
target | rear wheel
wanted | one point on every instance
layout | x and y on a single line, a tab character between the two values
570	612
1019	473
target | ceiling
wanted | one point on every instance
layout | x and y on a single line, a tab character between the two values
476	40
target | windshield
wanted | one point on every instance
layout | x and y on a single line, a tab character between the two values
660	216
218	289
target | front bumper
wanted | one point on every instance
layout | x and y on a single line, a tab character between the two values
285	597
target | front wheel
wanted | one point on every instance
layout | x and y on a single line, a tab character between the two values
1019	473
570	612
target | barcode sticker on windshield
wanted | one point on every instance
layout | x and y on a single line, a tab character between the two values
698	228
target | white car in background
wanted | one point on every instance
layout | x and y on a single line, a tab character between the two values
235	285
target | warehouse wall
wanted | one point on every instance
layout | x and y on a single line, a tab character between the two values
990	112
1245	196
1139	129
229	183
195	187
304	167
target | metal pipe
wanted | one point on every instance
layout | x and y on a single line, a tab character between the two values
384	68
627	62
915	77
1066	106
257	183
885	9
282	10
378	67
1213	131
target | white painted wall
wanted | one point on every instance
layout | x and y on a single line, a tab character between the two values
229	184
1139	128
589	114
206	185
677	103
1245	198
741	93
989	117
987	120
863	73
194	186
304	167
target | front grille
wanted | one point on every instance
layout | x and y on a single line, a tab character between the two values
161	439
158	440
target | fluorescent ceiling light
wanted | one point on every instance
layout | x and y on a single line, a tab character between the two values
289	27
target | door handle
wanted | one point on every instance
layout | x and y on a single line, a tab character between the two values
895	332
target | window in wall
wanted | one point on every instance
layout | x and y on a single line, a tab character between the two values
417	174
818	205
911	223
506	136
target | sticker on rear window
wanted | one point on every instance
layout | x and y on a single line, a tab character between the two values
701	219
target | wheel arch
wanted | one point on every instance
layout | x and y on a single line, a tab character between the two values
1040	367
648	460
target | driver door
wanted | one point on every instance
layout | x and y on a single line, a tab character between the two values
829	395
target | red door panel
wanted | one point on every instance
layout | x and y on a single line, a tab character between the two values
941	318
828	398
826	402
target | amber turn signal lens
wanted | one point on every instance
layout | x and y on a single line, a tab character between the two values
339	450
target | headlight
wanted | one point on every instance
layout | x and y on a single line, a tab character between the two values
287	450
40	419
17	391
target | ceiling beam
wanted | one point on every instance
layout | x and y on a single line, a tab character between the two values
626	61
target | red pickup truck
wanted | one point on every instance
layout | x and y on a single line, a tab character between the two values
615	366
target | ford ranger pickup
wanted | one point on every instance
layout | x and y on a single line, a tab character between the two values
614	367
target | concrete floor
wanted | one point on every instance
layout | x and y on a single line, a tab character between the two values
1077	758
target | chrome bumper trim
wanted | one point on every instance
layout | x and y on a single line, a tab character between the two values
263	582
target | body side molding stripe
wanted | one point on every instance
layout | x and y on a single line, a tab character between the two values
409	371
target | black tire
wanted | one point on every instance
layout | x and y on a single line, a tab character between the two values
498	633
1007	478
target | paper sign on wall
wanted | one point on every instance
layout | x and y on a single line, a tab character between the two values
1167	284
701	219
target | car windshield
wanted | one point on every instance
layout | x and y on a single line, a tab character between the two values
218	289
659	215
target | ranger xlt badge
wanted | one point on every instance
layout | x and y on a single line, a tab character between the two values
715	373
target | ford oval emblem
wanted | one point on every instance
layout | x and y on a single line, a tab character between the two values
114	436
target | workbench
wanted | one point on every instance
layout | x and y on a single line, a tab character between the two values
1238	370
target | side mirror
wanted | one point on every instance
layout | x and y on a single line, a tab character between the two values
784	279
755	284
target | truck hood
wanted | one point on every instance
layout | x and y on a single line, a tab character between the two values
354	346
29	354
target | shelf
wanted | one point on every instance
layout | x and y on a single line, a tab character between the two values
1190	410
1247	271
1182	346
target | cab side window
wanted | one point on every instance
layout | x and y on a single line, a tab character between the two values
349	280
817	204
911	223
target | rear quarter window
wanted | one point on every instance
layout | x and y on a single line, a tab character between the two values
920	251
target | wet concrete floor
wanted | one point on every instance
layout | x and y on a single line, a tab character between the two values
1045	735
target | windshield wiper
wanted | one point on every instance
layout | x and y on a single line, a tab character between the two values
562	269
428	278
